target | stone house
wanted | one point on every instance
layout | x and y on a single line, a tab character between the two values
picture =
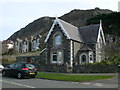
18	45
68	44
26	45
35	43
6	46
110	38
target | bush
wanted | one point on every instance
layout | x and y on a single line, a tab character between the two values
113	60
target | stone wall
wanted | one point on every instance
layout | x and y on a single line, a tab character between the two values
42	66
95	69
64	68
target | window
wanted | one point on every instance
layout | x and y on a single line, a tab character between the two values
83	58
60	57
17	65
11	65
91	58
54	56
38	40
30	66
25	43
34	41
57	57
34	45
58	39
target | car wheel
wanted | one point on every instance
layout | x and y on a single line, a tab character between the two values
19	75
3	73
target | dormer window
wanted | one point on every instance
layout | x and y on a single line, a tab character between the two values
58	40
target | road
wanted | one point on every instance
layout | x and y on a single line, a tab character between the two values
10	82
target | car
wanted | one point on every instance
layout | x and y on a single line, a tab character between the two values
1	67
20	70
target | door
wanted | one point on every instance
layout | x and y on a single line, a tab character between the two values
16	69
9	70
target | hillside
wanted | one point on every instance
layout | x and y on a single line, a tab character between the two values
42	25
111	22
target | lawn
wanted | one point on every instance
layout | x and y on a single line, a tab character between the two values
64	77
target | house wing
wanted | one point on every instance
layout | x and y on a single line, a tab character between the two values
69	30
89	33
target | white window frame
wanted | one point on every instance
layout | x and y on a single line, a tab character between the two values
58	61
52	57
91	54
80	58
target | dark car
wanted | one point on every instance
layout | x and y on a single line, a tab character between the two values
20	70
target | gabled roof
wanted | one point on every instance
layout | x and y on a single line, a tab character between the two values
90	33
72	31
85	48
69	30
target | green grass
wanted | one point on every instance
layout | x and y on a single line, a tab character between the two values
64	77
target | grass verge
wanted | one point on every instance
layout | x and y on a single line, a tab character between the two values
75	78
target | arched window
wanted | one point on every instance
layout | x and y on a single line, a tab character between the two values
58	40
91	57
83	58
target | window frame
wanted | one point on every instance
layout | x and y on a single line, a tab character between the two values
57	54
12	66
53	54
56	41
17	65
80	58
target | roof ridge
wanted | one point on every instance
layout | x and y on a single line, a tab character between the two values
68	23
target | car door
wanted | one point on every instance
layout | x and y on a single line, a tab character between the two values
16	68
9	69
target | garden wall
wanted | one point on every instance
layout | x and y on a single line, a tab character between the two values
64	68
95	69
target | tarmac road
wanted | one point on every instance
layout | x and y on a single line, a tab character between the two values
10	82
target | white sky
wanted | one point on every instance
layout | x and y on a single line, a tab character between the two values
16	14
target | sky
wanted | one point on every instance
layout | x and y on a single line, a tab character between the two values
16	14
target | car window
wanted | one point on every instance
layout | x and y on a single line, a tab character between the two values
11	65
17	65
30	66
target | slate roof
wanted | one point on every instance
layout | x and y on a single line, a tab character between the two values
89	33
85	48
71	30
85	34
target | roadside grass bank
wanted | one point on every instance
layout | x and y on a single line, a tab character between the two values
75	78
